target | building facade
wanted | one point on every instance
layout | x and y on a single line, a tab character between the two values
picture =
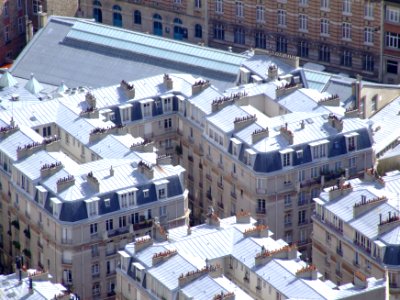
69	203
227	258
355	230
344	36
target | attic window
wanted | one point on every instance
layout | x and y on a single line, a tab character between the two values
299	154
146	193
107	202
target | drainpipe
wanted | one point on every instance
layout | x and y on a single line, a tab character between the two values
382	33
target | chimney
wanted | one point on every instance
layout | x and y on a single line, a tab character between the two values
259	134
243	122
93	182
308	272
332	100
243	217
146	169
341	190
335	122
49	169
28	30
42	19
302	124
142	243
65	182
272	72
168	83
392	221
365	205
286	252
129	89
212	218
90	100
360	280
184	279
287	134
221	102
163	256
256	231
200	86
164	160
111	171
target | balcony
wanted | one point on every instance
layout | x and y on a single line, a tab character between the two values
261	191
302	222
234	175
288	224
261	211
303	242
66	241
143	225
329	224
190	158
233	195
362	247
339	251
302	202
221	205
66	262
95	275
209	197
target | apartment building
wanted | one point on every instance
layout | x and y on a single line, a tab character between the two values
75	189
12	37
230	258
355	229
33	284
344	36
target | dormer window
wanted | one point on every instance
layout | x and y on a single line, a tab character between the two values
146	193
92	206
286	157
235	146
319	149
146	106
55	205
161	193
127	198
351	141
161	188
125	111
167	103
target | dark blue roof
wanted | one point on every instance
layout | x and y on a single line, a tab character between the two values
268	162
174	187
392	255
305	158
364	140
113	204
73	211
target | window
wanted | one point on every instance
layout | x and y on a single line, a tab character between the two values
392	14
239	36
5	9
109	224
302	217
314	172
346	7
137	17
147	109
369	10
303	2
353	162
95	269
163	211
67	276
261	206
346	58
157	25
47	131
319	151
219	6
368	63
286	159
198	31
302	199
302	49
391	66
93	228
167	123
197	3
117	16
219	33
324	54
281	44
346	31
392	40
161	193
303	22
19	4
288	200
281	17
35	6
302	175
239	9
324	4
260	40
97	12
146	193
368	35
260	14
21	25
288	219
122	221
96	289
324	30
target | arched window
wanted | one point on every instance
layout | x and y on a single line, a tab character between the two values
97	13
198	31
157	25
137	17
179	32
117	16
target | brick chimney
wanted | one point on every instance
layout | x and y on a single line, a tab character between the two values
242	122
243	217
335	122
168	83
287	134
163	256
129	89
142	243
200	86
308	272
256	231
49	169
64	183
259	134
146	169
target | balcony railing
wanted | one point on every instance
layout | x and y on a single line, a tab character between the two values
338	273
329	224
66	241
208	176
288	224
261	211
209	197
339	251
233	195
143	225
220	185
